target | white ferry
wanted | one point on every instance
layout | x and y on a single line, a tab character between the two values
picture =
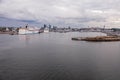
28	30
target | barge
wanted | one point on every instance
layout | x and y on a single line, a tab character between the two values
97	38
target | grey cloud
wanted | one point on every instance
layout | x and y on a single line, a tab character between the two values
84	20
63	12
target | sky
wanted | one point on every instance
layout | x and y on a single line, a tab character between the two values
62	13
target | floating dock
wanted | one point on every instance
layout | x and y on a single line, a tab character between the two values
97	38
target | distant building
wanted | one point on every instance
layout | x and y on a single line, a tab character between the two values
46	30
7	29
115	29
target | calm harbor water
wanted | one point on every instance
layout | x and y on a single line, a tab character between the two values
54	56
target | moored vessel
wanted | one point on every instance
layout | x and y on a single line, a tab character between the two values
98	38
28	30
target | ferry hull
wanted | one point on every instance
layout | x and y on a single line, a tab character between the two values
23	32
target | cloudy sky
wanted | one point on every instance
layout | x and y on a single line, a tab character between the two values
74	13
